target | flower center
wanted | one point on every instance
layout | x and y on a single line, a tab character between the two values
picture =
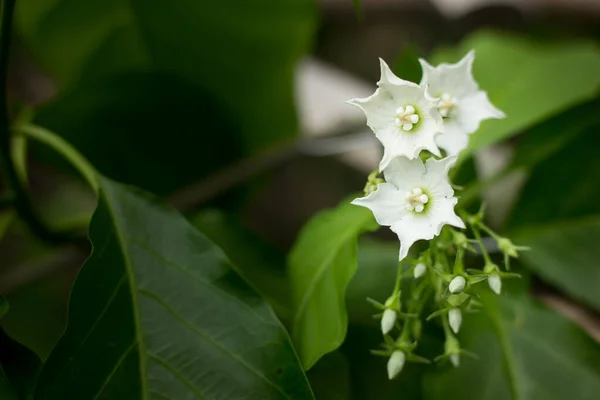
416	200
446	105
406	118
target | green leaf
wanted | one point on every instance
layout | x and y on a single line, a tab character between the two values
407	65
321	264
7	391
138	77
551	136
260	264
558	211
20	366
529	81
374	278
330	377
526	352
157	312
4	306
566	256
369	372
554	192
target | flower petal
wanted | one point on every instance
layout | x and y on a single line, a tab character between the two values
405	174
388	78
476	108
455	79
412	228
454	139
379	108
386	203
437	176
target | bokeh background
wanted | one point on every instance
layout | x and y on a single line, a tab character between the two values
235	113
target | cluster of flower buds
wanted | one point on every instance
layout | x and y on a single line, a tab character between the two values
423	127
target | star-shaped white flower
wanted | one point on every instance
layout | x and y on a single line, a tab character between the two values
416	201
403	117
461	103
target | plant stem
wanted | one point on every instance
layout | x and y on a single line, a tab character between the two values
64	148
22	203
484	252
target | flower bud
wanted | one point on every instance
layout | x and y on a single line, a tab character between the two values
507	247
455	319
417	327
457	284
460	239
395	364
388	320
495	283
455	360
419	270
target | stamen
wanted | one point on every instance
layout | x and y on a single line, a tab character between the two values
406	117
416	200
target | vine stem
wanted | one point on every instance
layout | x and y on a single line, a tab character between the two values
22	203
64	148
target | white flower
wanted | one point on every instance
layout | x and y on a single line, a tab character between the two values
455	319
419	270
495	283
395	364
457	284
462	105
403	117
416	201
388	320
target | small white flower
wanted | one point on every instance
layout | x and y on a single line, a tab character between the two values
457	284
455	319
395	364
462	105
416	201
419	270
403	117
388	320
495	283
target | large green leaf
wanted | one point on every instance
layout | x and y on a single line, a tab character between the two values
21	367
529	81
558	211
188	76
321	264
157	312
260	264
563	186
526	352
567	256
18	365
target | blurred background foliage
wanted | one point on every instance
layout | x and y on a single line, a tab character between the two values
200	102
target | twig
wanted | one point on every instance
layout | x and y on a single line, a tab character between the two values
22	203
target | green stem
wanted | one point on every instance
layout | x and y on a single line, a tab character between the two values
398	277
488	230
22	203
484	252
458	262
85	168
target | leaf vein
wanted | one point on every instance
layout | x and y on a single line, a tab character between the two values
200	333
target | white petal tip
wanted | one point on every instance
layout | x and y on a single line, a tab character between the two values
495	283
455	360
455	319
395	364
457	284
388	320
419	270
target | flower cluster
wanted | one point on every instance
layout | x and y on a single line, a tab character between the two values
423	128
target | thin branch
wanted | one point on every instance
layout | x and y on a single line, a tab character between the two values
22	202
